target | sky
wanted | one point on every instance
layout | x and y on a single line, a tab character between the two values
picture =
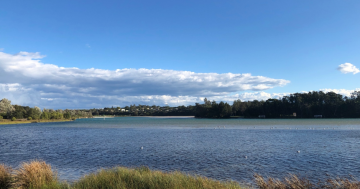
95	54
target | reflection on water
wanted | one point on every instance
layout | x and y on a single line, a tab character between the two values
213	148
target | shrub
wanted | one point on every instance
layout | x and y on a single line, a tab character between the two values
5	176
36	174
13	119
29	118
73	119
1	117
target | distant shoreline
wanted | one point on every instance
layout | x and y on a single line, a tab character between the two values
9	122
166	116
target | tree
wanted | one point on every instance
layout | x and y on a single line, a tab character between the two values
34	113
5	106
67	115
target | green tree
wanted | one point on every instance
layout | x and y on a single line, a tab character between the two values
6	107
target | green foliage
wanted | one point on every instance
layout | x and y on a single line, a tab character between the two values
213	110
67	115
13	119
56	115
306	105
5	106
29	118
1	117
44	115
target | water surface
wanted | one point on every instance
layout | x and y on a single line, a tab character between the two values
221	149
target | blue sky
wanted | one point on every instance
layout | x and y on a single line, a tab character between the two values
298	44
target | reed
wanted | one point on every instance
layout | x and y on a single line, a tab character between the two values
39	175
6	178
294	182
35	174
142	177
291	182
342	183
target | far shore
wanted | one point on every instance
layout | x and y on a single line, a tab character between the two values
9	122
166	116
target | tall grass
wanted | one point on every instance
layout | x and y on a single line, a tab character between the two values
5	176
294	182
124	178
35	174
291	182
39	175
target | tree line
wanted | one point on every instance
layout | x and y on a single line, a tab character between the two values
9	111
297	105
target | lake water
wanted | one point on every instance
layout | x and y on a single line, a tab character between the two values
210	147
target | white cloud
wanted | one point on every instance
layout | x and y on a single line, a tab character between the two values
74	87
348	68
344	92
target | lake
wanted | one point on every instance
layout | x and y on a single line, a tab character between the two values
217	148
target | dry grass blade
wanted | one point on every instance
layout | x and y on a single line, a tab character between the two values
295	183
270	183
34	175
5	176
341	183
291	182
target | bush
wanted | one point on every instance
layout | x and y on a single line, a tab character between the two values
1	117
29	118
13	119
73	119
5	176
36	174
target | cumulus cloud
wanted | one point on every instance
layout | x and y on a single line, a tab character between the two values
59	86
348	68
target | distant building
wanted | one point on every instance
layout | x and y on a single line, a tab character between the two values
317	116
261	116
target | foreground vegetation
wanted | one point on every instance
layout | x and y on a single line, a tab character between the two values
39	175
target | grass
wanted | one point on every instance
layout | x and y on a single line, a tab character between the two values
6	178
39	175
124	178
294	182
34	175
